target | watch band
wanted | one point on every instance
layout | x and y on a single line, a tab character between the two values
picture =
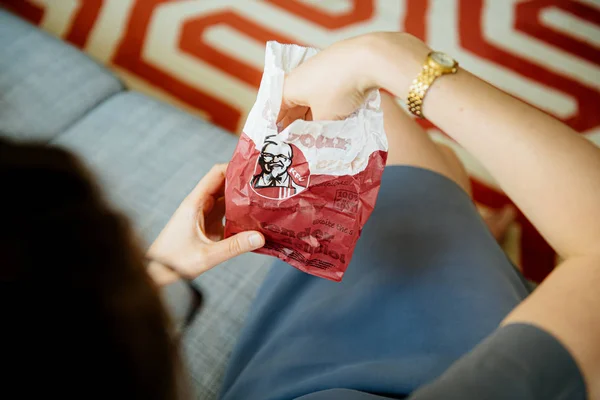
419	87
436	64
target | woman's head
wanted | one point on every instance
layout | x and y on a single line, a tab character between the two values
82	314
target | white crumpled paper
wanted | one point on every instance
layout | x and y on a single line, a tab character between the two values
355	138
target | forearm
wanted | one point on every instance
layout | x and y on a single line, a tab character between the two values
549	171
566	305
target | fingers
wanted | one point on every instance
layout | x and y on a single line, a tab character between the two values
290	90
282	111
323	115
289	115
293	106
213	221
328	113
212	184
233	246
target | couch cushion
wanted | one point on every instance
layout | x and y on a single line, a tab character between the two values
45	84
149	156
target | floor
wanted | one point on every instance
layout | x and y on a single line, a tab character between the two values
206	57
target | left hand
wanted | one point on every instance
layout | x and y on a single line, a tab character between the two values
191	242
336	81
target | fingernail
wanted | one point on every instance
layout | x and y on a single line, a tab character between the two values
255	240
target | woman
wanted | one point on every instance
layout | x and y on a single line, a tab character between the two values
429	308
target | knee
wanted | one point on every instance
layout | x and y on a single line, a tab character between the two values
458	171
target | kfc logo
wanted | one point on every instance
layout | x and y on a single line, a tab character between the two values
281	170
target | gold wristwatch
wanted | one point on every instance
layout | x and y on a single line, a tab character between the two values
436	65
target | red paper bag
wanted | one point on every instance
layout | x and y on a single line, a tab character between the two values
310	188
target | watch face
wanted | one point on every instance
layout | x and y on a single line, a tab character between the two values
443	59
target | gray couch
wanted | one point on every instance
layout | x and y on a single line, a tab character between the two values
147	155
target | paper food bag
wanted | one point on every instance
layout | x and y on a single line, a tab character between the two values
311	187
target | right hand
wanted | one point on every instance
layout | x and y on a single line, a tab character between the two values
192	241
334	83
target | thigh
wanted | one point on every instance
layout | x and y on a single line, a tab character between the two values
427	282
410	145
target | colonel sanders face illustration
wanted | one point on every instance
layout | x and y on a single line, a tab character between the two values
274	160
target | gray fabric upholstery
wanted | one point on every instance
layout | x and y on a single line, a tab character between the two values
149	156
229	291
45	85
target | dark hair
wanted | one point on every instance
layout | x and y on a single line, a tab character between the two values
84	319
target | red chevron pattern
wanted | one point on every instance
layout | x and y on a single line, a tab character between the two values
206	56
361	10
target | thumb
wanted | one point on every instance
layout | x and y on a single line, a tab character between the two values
235	245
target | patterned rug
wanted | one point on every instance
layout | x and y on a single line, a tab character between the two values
206	57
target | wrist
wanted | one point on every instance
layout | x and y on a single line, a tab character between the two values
395	60
161	274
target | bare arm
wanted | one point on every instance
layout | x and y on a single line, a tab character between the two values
549	171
